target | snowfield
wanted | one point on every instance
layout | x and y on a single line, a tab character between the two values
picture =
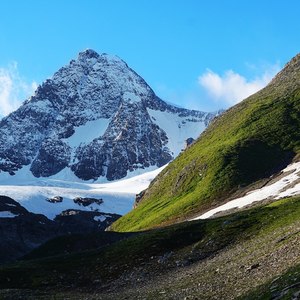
118	196
86	133
286	186
177	127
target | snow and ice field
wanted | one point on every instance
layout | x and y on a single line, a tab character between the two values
118	196
288	185
177	127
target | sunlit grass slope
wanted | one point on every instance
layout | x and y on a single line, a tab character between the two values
250	141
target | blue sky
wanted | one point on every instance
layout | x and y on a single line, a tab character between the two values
198	54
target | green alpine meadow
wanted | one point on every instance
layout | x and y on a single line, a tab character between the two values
240	149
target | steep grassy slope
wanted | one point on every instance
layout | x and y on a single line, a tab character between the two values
251	141
241	255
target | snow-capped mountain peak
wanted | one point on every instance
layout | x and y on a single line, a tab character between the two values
95	118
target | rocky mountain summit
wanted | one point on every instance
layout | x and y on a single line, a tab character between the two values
95	118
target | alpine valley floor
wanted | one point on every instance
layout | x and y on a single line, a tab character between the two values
253	254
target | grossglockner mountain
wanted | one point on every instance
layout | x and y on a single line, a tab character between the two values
95	118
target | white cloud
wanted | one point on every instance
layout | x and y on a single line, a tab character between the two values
13	89
232	87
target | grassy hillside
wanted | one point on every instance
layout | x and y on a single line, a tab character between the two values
250	141
251	254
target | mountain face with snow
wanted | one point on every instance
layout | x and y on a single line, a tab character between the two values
246	147
95	118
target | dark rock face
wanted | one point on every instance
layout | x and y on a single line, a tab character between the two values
138	198
55	199
127	144
189	142
53	156
22	231
94	87
78	221
87	201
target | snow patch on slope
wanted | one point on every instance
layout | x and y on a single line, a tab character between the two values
131	97
88	132
133	185
177	127
7	214
284	187
101	218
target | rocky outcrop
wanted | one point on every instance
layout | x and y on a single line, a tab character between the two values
53	156
189	142
138	198
22	231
